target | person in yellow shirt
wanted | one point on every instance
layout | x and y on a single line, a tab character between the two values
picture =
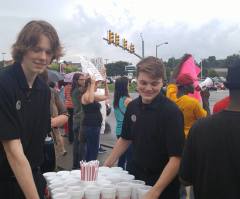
190	107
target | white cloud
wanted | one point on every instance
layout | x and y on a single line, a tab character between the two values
203	28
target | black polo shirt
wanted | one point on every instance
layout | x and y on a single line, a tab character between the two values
24	114
211	160
156	131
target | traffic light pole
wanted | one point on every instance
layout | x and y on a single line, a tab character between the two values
125	49
142	45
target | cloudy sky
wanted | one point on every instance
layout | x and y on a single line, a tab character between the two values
200	27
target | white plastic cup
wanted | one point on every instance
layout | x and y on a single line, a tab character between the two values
143	190
138	182
73	182
108	192
116	169
114	178
103	183
135	188
63	173
88	183
56	180
76	171
124	172
61	196
48	174
76	174
54	186
124	190
76	194
58	190
127	177
50	178
124	184
92	192
100	169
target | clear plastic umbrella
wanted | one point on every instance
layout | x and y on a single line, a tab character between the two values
69	76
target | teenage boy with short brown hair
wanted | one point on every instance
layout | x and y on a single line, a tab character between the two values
25	111
154	126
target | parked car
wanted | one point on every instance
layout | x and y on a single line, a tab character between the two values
110	80
134	81
213	88
220	85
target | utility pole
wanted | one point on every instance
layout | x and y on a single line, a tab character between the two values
3	58
124	48
114	38
106	60
142	45
160	45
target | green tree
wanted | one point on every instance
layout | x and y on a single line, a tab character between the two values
205	72
230	59
68	69
212	73
168	72
117	68
54	66
172	62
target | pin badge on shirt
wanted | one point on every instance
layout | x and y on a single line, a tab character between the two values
133	118
18	105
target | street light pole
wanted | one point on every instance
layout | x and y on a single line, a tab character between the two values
142	45
3	58
160	45
106	60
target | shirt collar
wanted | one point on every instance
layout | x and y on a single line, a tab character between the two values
20	76
153	105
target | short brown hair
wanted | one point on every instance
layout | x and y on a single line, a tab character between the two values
30	36
152	66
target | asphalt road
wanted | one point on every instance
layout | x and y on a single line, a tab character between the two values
108	138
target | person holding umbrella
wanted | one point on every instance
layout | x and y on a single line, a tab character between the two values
92	119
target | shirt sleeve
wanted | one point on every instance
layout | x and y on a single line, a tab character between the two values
186	167
8	114
174	132
199	111
60	106
49	127
126	126
221	105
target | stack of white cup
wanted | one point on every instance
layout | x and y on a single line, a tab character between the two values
136	184
112	183
92	192
108	192
124	190
143	190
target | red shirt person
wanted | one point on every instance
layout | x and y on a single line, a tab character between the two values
221	104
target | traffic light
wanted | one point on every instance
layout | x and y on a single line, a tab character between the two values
132	48
116	39
125	44
110	37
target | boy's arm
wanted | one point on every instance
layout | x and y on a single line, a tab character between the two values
20	167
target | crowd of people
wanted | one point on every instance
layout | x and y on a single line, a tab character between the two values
167	140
